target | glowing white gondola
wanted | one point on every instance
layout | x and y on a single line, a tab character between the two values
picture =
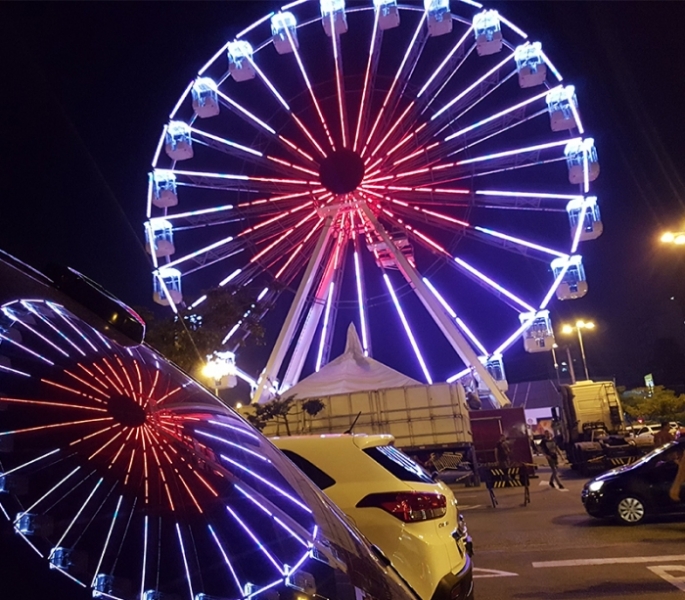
581	156
159	238
488	31
592	222
385	258
163	189
438	16
167	280
205	98
562	106
178	143
333	17
495	366
539	337
240	60
388	13
530	64
284	32
573	285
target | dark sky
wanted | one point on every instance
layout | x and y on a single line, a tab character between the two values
89	85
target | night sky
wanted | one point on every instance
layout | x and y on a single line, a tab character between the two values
89	85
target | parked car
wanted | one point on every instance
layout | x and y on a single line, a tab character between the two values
645	433
136	482
396	504
634	492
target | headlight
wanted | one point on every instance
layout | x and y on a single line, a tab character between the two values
595	486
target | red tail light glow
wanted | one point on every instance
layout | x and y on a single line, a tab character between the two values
408	506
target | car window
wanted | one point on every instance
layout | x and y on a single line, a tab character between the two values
320	478
399	464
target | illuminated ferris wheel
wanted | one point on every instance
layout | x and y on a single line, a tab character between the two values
373	155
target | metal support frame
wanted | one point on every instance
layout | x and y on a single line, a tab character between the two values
285	337
435	310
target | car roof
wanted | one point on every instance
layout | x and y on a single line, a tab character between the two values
360	440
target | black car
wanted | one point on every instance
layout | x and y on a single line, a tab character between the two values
136	483
633	492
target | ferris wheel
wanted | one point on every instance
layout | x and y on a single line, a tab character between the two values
376	155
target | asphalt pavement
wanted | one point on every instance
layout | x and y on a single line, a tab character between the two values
552	550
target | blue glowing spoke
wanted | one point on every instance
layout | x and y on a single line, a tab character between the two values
13	371
225	441
27	350
226	559
442	65
273	516
60	311
327	315
261	124
204	250
26	464
407	329
226	142
29	306
268	483
142	576
109	535
78	513
185	562
361	302
521	242
241	430
256	540
46	494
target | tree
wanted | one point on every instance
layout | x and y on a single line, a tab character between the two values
655	403
187	338
278	410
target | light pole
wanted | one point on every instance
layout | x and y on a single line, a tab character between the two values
578	328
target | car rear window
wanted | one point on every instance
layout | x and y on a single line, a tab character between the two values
319	477
399	464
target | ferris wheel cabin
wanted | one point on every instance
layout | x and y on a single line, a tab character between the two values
530	65
284	33
167	285
385	259
178	143
488	31
573	285
205	98
240	61
562	106
495	367
581	157
592	221
438	16
333	17
388	13
159	238
163	189
539	337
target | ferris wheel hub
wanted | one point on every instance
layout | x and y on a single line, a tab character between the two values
341	171
126	411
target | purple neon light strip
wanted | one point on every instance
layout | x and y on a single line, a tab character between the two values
338	80
551	66
273	516
13	371
517	151
218	244
226	559
475	84
225	441
10	315
541	195
492	283
459	375
226	142
255	24
25	349
59	310
78	513
555	285
326	317
109	535
256	540
232	276
235	428
360	299
270	85
514	336
185	562
520	242
407	329
267	482
195	213
497	116
184	95
142	576
445	61
45	495
247	113
367	78
513	27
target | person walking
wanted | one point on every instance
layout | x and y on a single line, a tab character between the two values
503	453
664	435
551	451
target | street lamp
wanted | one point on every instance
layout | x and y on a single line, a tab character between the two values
578	328
220	370
677	238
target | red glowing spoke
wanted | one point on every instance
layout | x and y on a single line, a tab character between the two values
94	434
285	234
112	439
121	448
55	425
102	383
102	372
152	388
130	465
128	380
169	394
51	404
392	129
298	249
68	389
285	163
84	382
296	147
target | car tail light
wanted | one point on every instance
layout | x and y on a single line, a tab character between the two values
408	506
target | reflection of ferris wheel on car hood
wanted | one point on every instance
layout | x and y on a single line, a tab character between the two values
385	138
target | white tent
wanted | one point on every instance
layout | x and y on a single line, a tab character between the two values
350	372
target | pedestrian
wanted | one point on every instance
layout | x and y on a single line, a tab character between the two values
551	451
679	481
503	452
664	435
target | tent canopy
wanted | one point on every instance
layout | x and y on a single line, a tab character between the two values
349	372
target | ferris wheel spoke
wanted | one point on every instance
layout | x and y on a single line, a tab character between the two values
245	183
369	81
399	83
339	82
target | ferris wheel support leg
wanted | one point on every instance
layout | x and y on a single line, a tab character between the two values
435	310
304	342
285	337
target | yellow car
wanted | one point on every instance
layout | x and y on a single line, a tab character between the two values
396	504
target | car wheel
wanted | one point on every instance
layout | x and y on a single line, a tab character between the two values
630	510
